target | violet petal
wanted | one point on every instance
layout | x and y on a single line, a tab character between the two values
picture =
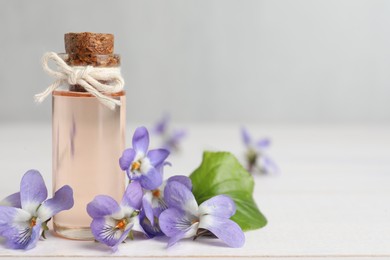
126	159
32	191
62	200
151	180
220	205
141	140
225	229
174	222
161	125
12	200
102	205
268	164
157	157
147	206
182	179
263	143
179	134
246	138
133	195
176	195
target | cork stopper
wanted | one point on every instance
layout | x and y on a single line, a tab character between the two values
89	43
90	49
95	49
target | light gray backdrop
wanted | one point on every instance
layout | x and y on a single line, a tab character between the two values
246	61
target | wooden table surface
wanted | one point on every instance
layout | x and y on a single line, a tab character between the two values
330	201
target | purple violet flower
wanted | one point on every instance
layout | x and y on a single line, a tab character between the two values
256	155
153	204
184	218
143	165
170	137
112	222
24	215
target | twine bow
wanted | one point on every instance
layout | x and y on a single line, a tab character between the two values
88	77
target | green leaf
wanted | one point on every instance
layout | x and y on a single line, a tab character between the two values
221	173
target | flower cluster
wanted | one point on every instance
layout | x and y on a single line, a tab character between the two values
159	208
256	156
24	215
149	205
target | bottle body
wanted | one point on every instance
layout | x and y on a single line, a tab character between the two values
88	140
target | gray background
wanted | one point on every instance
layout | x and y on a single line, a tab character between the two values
242	61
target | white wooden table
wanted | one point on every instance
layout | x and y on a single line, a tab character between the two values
331	201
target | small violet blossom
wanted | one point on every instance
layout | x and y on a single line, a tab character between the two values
170	137
153	204
24	215
112	222
143	165
256	156
184	218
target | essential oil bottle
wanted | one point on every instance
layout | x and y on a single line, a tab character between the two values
88	137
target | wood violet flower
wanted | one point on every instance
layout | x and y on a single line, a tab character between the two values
170	137
184	218
256	156
153	204
24	215
112	222
143	165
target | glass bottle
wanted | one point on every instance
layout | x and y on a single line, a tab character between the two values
88	137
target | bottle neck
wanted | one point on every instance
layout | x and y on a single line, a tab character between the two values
95	60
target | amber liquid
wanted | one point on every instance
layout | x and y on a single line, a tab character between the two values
88	140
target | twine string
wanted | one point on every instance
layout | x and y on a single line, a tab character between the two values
89	77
